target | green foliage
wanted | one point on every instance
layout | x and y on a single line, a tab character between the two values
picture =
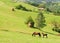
56	27
40	20
34	4
42	5
29	19
53	7
20	7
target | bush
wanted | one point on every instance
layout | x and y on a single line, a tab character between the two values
20	7
30	22
29	19
56	29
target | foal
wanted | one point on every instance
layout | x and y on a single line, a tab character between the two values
44	35
36	33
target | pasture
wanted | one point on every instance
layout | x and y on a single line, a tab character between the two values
14	30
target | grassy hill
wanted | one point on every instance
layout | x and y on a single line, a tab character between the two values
14	30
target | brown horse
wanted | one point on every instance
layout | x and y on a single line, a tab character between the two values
44	35
36	33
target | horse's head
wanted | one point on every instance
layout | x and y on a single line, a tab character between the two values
42	33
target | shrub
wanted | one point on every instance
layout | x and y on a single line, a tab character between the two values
20	7
56	27
30	22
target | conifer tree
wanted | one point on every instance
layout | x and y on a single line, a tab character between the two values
40	20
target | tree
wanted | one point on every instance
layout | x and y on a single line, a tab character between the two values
42	5
30	22
40	20
54	8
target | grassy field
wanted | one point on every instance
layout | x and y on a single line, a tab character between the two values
14	30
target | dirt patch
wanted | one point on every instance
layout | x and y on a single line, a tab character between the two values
58	34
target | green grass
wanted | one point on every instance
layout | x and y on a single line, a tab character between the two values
14	30
16	37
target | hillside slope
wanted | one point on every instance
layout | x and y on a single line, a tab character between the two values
13	20
14	30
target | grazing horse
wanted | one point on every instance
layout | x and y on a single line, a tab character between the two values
36	33
44	35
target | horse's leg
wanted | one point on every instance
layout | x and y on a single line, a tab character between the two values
46	36
39	34
43	36
33	34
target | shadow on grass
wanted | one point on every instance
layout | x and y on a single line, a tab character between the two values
48	32
45	31
15	31
4	30
28	33
43	25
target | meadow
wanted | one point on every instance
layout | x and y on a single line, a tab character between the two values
14	30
